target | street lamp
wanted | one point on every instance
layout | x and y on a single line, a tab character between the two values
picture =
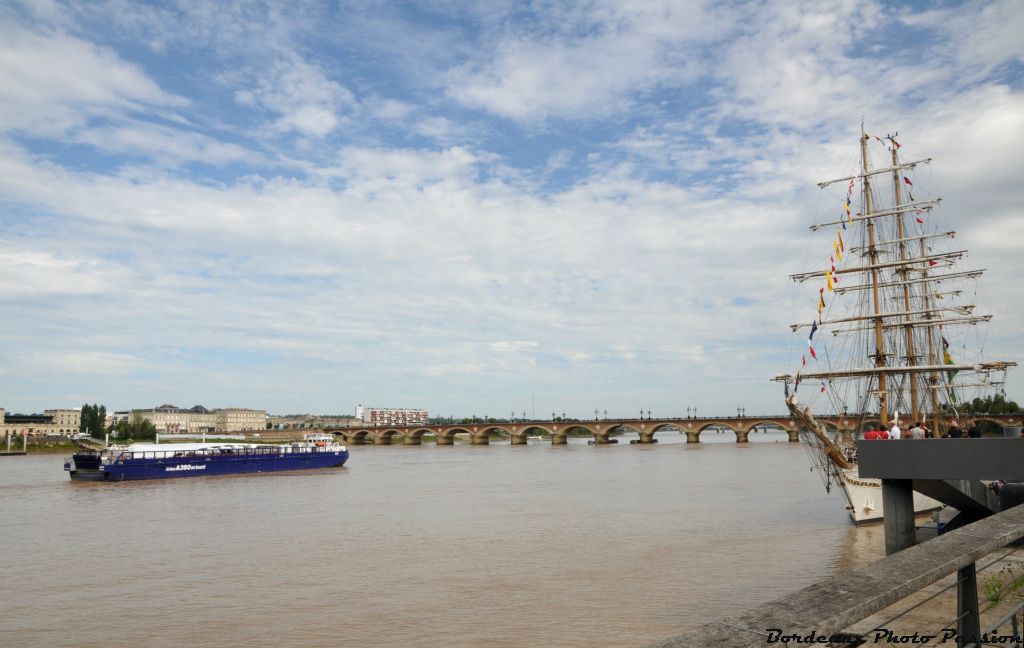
595	414
606	415
648	415
687	411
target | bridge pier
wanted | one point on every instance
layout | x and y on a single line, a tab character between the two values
692	437
516	439
794	436
382	440
559	439
480	439
601	439
445	440
646	437
413	439
356	440
741	437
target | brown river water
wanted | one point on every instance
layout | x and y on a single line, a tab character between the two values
452	546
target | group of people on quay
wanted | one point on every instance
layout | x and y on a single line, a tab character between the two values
920	431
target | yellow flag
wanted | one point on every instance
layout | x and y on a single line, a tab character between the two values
835	246
828	280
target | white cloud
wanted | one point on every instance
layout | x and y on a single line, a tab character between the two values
593	263
301	94
81	362
514	345
171	145
31	273
55	82
588	63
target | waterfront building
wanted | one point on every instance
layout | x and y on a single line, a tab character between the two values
69	421
30	424
169	419
313	421
52	422
237	419
391	416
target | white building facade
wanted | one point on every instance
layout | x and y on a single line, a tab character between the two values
392	416
238	419
69	420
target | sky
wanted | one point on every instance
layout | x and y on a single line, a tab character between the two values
473	208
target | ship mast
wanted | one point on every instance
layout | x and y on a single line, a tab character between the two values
883	412
904	272
929	330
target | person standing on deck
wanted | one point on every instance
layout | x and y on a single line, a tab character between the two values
974	431
894	431
916	432
954	431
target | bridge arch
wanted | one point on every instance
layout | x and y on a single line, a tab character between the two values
528	429
994	424
446	436
356	437
488	430
756	435
716	424
415	437
667	427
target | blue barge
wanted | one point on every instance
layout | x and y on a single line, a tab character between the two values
165	461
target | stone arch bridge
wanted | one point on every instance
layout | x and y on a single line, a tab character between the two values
601	431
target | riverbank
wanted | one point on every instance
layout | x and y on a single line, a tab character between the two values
44	447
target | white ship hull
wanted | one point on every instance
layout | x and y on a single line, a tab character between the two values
865	497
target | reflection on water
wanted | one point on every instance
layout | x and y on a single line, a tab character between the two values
422	546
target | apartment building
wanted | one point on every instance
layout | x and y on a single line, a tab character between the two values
391	416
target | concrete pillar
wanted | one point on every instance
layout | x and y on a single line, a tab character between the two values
647	437
356	440
480	439
517	439
601	439
382	440
692	437
413	439
558	439
445	440
898	507
794	436
968	625
741	436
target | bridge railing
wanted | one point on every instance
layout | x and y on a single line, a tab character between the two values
831	607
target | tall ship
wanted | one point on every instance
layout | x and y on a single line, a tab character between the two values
172	460
889	333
